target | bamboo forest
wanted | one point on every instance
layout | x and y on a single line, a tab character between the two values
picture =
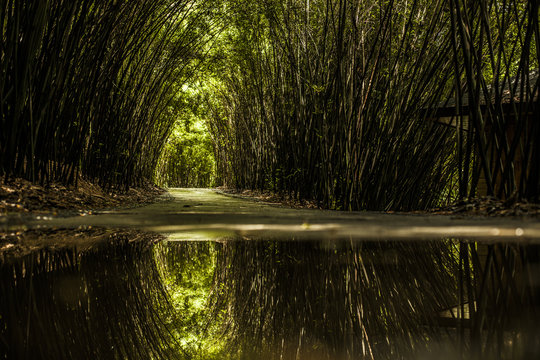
269	179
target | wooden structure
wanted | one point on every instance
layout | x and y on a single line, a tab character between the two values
506	120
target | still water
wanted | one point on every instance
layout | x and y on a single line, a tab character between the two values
273	300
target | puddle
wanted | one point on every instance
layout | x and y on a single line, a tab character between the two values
267	299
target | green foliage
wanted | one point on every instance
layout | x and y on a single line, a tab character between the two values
333	101
187	159
188	272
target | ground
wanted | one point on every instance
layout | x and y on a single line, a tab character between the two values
19	197
485	206
490	206
204	214
22	196
44	218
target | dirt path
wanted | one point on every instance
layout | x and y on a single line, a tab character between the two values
203	214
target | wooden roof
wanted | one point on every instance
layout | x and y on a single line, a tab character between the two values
506	95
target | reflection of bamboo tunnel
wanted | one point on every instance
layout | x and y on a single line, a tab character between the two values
363	292
487	263
505	299
104	303
383	284
500	280
452	317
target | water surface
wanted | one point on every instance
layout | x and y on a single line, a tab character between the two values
274	299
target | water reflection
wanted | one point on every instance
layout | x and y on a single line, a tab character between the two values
374	300
316	300
273	300
107	302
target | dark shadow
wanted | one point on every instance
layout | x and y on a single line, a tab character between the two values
105	303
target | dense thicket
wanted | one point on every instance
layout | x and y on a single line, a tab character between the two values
395	104
338	101
89	86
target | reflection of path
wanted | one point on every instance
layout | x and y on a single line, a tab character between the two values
202	214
